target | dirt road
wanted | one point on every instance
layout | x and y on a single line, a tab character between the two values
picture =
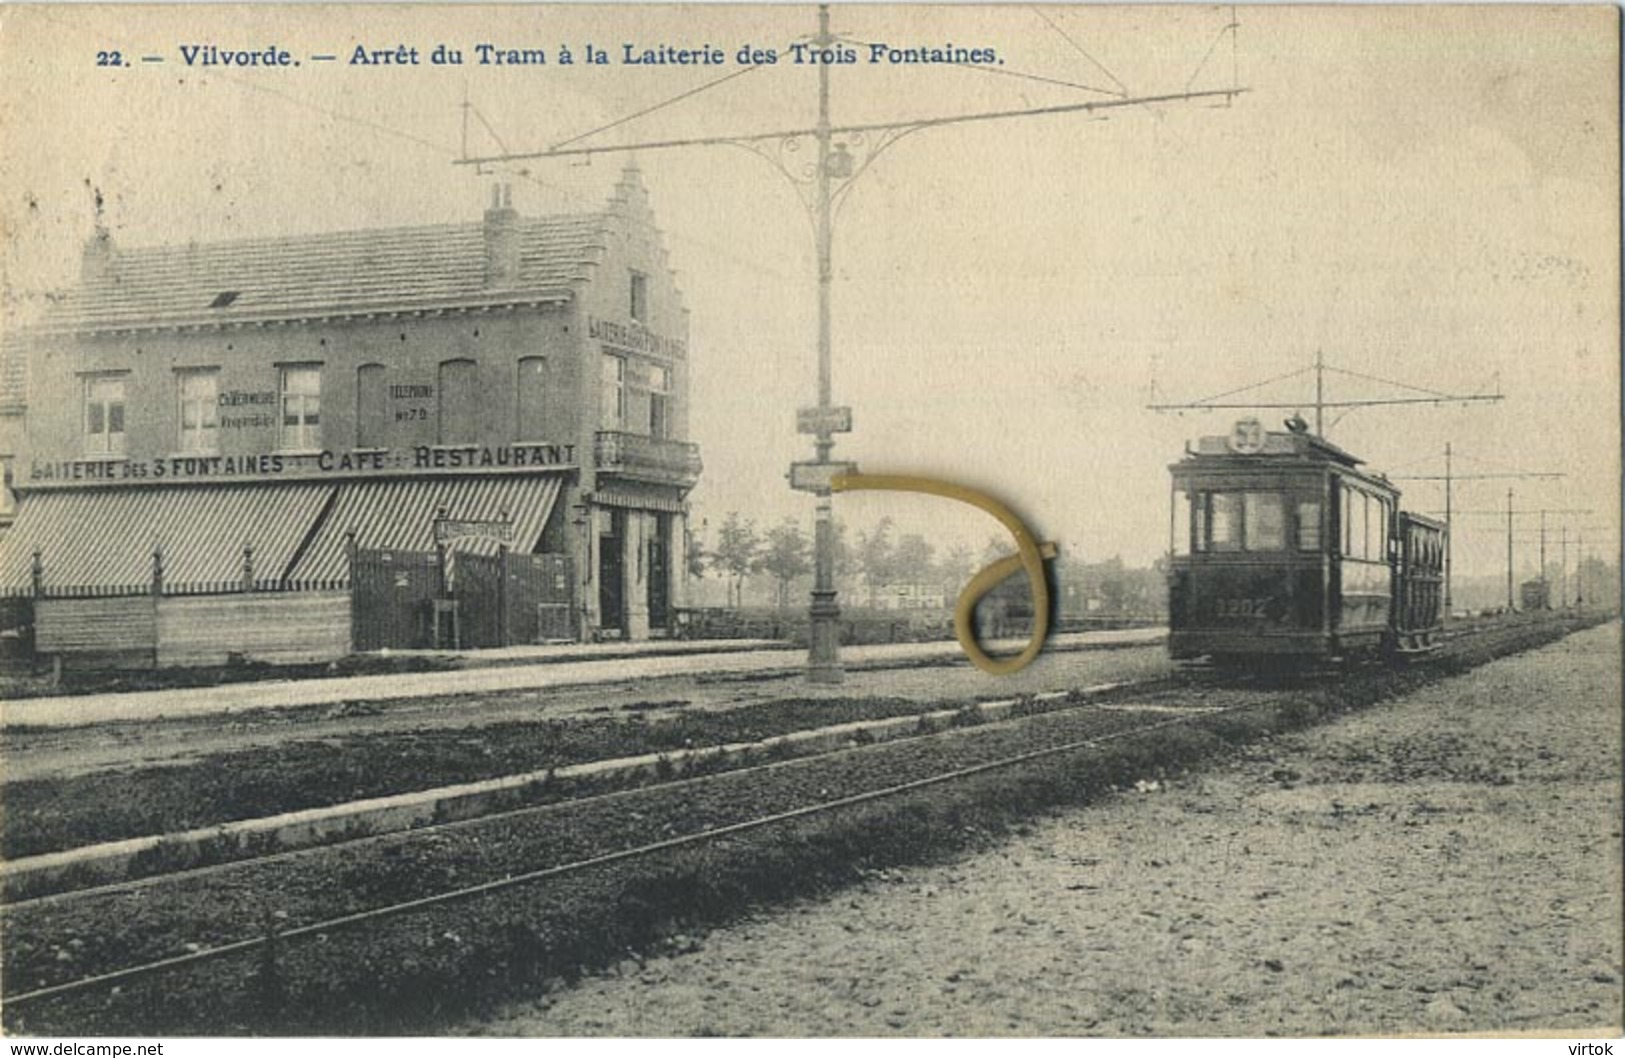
1447	862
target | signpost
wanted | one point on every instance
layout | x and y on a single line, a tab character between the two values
814	477
833	419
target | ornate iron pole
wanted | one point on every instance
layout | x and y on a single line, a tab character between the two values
824	613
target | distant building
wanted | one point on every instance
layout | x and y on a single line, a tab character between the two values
251	416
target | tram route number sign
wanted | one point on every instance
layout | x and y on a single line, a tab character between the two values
833	419
462	528
1247	437
815	477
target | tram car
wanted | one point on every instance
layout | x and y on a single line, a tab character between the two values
1535	595
1283	548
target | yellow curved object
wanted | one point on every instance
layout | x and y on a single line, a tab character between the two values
1029	556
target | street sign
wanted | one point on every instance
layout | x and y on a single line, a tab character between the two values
834	419
815	477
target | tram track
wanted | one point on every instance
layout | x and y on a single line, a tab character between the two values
562	843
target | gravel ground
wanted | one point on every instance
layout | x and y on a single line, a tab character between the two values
1445	862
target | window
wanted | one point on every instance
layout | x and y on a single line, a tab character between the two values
614	392
1266	521
639	307
1308	525
1367	551
459	402
371	406
1348	522
1224	520
301	407
104	415
200	410
659	393
1180	528
530	423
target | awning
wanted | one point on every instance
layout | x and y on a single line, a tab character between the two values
102	540
399	515
646	499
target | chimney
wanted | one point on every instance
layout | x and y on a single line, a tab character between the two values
96	262
501	239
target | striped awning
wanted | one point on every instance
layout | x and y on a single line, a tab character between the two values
400	515
646	499
98	541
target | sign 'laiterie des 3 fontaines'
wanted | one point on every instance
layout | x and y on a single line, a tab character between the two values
275	464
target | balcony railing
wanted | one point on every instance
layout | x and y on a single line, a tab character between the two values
643	458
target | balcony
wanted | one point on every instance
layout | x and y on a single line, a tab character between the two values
639	458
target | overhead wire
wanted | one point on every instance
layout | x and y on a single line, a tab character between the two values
1123	89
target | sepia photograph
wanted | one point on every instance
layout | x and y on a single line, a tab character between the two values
609	521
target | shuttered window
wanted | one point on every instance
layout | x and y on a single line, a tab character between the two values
459	402
531	390
371	407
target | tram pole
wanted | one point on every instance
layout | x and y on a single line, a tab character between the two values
1510	606
823	612
1449	533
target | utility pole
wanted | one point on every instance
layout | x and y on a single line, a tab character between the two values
1448	532
1543	560
1580	571
836	169
1450	477
1320	393
1510	606
1508	512
1564	576
823	612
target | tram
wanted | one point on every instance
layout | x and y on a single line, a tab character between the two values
1283	546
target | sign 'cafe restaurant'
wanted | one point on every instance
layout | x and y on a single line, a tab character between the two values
460	434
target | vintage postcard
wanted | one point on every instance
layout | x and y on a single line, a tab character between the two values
805	521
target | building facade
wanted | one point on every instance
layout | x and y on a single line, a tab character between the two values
255	414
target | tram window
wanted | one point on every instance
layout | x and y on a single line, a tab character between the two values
1224	521
1266	521
1181	541
1348	521
1308	525
1366	550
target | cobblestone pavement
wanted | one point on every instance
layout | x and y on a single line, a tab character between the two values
1447	862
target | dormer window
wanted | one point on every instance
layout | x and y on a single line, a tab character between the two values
224	298
639	307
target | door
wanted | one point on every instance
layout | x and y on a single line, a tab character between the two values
660	573
612	575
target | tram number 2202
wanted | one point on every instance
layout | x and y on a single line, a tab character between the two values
1236	607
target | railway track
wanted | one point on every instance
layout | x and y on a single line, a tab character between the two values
734	804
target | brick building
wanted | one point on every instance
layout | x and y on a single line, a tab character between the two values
250	417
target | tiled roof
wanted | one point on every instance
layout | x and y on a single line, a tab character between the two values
337	273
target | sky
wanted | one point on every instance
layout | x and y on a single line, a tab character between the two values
1425	196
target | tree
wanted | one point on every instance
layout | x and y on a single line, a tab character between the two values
997	547
845	561
955	570
788	555
912	559
736	554
698	557
874	553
